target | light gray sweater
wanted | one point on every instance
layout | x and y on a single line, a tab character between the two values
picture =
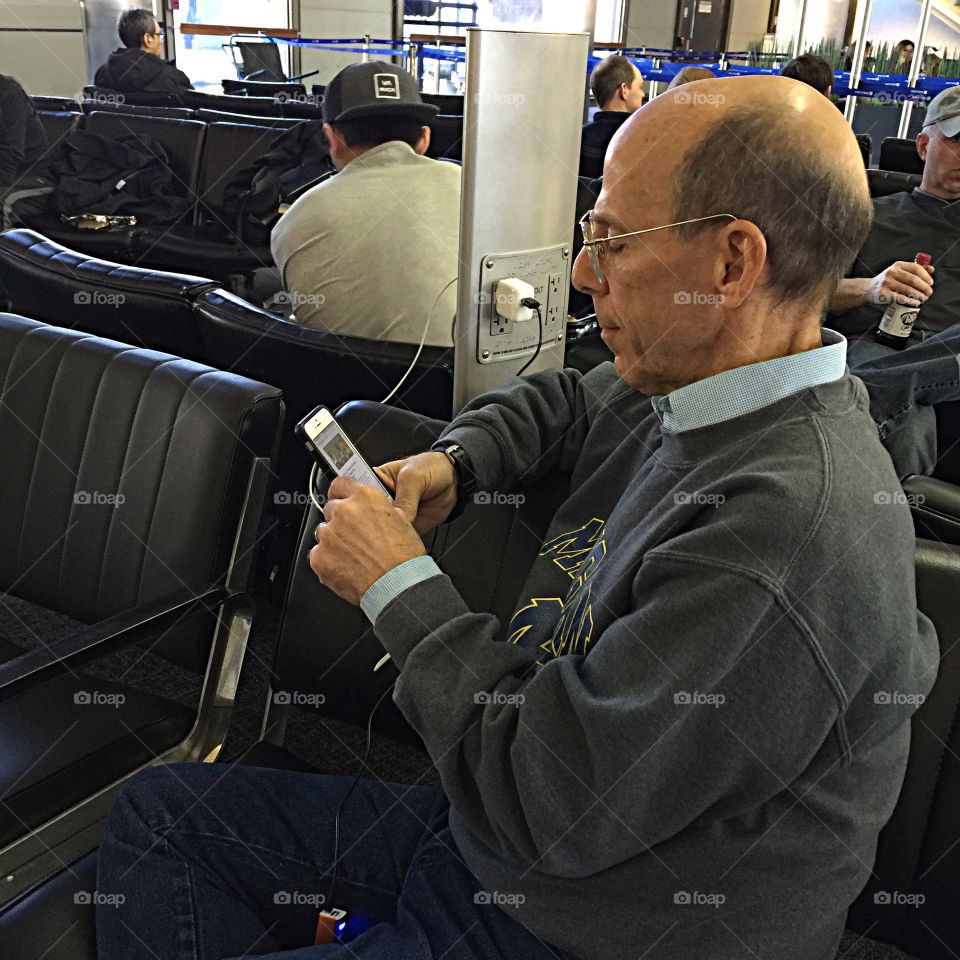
701	723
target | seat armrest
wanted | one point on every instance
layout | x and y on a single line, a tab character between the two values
37	666
935	505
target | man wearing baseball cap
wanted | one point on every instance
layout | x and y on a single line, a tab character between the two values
926	219
373	251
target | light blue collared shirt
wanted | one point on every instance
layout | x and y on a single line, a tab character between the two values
732	393
742	390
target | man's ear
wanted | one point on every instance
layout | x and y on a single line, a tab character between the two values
423	144
741	257
923	142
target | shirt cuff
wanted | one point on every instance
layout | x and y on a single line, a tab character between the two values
394	582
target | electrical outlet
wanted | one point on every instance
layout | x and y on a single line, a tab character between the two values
499	325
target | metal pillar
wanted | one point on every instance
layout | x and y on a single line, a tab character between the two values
521	148
915	67
856	68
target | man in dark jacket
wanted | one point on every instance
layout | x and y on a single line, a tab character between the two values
23	142
137	66
618	87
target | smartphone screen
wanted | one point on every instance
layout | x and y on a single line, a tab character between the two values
338	452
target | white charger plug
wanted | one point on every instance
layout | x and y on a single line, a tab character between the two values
507	296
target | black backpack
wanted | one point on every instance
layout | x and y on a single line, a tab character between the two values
298	160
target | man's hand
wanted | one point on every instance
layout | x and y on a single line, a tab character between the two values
902	282
425	488
364	536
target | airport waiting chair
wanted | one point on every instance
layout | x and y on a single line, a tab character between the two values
882	183
256	106
450	104
56	104
133	484
279	90
865	143
221	116
142	307
105	95
258	59
138	110
446	138
935	505
899	154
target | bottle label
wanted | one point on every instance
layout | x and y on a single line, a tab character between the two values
898	320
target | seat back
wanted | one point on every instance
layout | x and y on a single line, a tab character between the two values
250	106
229	147
910	900
450	104
446	138
279	89
326	645
123	471
182	140
261	58
935	506
105	95
58	126
141	307
220	116
899	154
138	110
312	367
882	183
865	143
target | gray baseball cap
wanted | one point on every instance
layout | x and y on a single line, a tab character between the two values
374	89
944	109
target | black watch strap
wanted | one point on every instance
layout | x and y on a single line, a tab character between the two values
466	479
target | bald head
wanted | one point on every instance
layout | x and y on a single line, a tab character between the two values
766	149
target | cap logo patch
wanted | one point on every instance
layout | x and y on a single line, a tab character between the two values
386	86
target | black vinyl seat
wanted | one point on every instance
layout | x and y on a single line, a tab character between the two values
105	95
138	110
142	307
899	154
221	116
450	104
56	104
133	483
882	183
255	106
263	88
446	138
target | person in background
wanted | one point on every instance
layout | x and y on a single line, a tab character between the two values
867	57
138	67
617	86
373	251
688	75
902	57
926	219
23	142
811	70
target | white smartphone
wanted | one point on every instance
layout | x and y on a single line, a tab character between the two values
332	447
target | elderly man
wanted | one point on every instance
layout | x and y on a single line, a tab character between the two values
138	66
617	86
685	750
925	220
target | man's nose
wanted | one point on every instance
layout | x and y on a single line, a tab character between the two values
584	277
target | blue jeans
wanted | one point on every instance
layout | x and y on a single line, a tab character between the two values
212	861
908	389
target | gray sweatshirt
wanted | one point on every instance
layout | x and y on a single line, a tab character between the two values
697	722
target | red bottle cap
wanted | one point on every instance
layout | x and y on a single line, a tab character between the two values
924	259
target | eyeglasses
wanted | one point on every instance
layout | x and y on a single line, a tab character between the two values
594	244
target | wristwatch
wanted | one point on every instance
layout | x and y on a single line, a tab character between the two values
466	479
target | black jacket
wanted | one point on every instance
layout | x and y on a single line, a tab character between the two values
136	71
594	140
23	142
